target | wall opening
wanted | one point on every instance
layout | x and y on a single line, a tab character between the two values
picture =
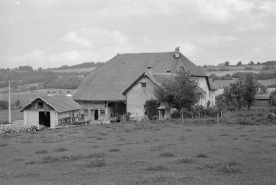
45	119
96	114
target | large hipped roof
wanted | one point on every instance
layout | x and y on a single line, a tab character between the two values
108	82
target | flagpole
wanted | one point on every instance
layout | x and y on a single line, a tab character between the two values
10	102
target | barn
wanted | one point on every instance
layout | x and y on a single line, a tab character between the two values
50	111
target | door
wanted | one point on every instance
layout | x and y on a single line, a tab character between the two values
96	114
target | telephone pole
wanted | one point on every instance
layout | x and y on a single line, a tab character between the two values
10	102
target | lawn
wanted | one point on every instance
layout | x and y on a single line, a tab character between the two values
139	154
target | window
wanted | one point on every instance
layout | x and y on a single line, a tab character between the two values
86	112
40	105
144	87
102	112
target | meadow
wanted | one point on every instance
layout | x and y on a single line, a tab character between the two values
139	154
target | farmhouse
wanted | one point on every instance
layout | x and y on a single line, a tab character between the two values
126	81
50	111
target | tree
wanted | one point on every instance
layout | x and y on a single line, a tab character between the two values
204	66
273	98
258	63
151	108
251	63
242	92
226	63
180	93
239	63
251	87
17	103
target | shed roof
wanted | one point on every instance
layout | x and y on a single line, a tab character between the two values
109	81
60	103
262	96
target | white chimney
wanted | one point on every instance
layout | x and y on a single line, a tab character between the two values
177	53
150	71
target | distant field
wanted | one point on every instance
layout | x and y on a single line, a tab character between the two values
222	73
77	70
25	97
223	83
235	67
4	115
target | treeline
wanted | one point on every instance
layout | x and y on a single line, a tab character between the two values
257	76
83	65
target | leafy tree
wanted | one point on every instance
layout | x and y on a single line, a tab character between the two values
258	63
233	94
151	108
250	86
180	93
239	63
273	98
204	66
251	63
242	92
17	103
226	63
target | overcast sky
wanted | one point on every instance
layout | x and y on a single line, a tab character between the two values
51	33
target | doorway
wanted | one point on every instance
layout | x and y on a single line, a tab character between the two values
45	119
96	114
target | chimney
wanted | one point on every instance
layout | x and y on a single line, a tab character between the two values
150	71
177	53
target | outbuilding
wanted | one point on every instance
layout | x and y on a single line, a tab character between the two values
50	111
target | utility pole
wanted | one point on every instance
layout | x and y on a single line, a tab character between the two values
10	102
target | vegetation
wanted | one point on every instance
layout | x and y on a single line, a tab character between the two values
242	92
226	63
151	108
239	63
180	93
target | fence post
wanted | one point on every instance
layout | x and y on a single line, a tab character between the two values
218	118
198	118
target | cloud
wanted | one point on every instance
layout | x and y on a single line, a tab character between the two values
72	37
96	37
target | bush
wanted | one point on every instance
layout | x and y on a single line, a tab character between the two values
175	114
151	108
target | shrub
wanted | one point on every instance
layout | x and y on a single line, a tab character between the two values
175	114
167	154
156	168
151	108
201	156
98	162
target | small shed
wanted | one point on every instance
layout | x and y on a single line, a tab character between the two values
49	111
262	100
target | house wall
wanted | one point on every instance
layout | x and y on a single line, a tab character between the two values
90	108
136	98
202	83
31	118
212	98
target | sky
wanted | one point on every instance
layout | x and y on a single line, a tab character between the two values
52	33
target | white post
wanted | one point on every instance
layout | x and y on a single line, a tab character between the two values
10	102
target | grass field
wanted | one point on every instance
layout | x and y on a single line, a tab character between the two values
140	154
223	83
76	70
